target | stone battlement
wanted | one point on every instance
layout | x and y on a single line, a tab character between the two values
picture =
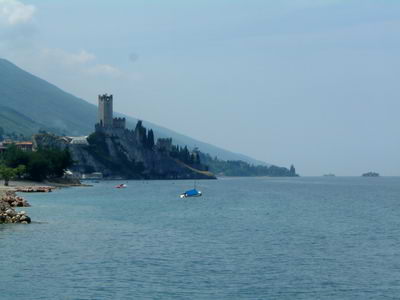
106	97
119	123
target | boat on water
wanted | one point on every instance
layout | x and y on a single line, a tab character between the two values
191	193
370	174
121	186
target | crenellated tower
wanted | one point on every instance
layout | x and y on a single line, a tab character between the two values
106	121
105	117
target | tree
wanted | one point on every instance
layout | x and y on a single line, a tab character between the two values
141	132
59	161
20	170
7	174
2	132
38	167
185	155
150	139
196	153
14	157
292	171
139	124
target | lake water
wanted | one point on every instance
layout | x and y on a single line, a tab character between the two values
254	238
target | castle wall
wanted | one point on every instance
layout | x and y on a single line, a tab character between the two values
119	123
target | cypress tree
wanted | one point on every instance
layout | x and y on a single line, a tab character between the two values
150	139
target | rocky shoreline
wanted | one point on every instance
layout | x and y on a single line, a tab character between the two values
9	199
8	214
34	189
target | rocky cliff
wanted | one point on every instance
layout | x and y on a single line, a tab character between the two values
122	153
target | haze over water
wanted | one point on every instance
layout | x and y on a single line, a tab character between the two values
299	238
308	82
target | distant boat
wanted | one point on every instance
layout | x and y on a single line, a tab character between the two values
191	193
121	186
329	175
370	174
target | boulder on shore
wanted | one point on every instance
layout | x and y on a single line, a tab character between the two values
7	212
14	200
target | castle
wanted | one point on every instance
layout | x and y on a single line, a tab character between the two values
111	126
106	121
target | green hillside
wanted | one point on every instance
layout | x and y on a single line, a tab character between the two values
28	103
15	123
42	102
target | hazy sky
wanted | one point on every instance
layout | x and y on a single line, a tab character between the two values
309	82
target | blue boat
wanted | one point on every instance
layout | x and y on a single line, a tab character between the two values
191	193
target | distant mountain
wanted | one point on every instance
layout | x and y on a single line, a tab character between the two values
43	102
28	104
17	122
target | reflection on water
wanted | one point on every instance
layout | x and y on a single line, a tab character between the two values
262	238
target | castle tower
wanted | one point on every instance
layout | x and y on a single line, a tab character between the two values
105	118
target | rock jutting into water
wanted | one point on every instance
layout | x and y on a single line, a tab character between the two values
35	189
13	200
8	214
12	216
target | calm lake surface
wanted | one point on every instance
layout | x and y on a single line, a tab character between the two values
254	238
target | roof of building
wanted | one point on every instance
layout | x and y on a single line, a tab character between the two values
78	140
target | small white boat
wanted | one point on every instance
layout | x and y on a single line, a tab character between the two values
121	186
